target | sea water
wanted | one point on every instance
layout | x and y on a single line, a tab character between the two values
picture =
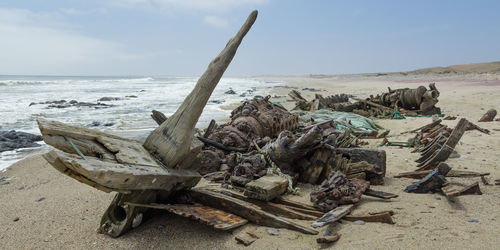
128	117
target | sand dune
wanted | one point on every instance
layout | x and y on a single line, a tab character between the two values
473	68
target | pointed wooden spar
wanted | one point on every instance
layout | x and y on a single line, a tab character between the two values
171	141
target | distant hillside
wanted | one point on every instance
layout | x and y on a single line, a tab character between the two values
490	67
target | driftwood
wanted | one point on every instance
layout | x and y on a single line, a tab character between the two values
171	141
246	210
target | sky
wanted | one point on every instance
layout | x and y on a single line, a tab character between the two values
290	37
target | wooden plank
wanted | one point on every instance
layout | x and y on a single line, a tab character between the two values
382	217
210	216
246	210
450	191
379	194
266	187
295	204
271	207
333	216
451	173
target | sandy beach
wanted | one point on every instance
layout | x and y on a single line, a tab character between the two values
42	208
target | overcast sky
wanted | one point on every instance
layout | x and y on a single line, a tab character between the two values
180	37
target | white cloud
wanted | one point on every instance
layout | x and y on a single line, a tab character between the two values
39	43
73	11
203	5
215	21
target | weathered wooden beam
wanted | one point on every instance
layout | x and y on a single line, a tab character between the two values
266	187
379	194
450	191
451	173
119	177
171	141
333	216
246	210
271	207
210	216
382	217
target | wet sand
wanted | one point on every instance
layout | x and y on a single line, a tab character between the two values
70	213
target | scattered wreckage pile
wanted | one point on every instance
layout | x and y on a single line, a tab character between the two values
436	142
262	153
419	101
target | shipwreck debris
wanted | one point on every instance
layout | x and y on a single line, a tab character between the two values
488	116
338	190
246	238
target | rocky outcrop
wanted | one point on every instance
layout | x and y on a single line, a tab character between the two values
10	140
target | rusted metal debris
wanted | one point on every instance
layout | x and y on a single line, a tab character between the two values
488	116
420	100
338	190
441	147
432	182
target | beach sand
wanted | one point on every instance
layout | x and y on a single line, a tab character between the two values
70	213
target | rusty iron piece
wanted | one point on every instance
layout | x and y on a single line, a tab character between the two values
432	182
338	190
473	126
488	116
213	217
256	118
450	191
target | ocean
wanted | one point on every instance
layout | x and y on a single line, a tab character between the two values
128	116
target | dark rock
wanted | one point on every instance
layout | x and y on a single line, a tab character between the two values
3	181
230	92
16	219
41	199
216	101
98	124
131	96
473	220
10	140
107	99
73	103
312	89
